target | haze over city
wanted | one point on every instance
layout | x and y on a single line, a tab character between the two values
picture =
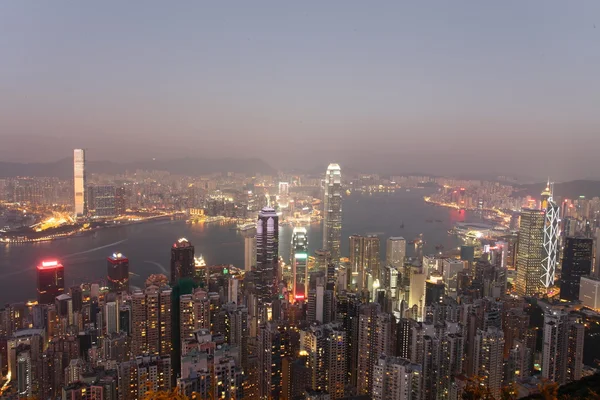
449	87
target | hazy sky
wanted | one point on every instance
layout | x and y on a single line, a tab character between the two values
435	86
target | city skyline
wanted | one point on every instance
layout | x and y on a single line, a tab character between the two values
400	79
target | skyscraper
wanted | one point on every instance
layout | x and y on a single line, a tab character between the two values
151	321
50	281
562	350
183	264
395	251
530	252
332	211
299	260
550	238
325	347
267	253
117	273
364	259
396	378
374	339
249	249
79	182
488	358
577	262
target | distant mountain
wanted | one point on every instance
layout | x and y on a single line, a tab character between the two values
63	169
564	190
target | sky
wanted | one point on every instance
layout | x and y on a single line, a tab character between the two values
507	87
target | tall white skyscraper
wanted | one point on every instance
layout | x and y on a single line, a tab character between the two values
79	182
395	251
299	263
332	211
550	237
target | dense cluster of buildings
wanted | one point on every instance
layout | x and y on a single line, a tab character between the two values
326	327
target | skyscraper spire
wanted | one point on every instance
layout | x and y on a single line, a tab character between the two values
332	211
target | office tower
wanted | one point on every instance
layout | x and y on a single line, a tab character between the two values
111	316
488	358
117	273
332	212
299	264
183	264
79	182
120	200
396	378
151	321
375	337
467	253
562	351
284	188
50	281
316	298
249	249
25	373
550	242
364	260
325	347
395	252
589	292
434	292
530	252
451	269
273	347
267	258
102	200
577	262
77	295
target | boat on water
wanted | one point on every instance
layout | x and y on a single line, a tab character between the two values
402	225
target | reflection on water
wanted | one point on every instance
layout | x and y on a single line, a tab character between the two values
148	245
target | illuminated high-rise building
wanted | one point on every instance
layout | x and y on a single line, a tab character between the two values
364	259
395	251
117	273
249	249
530	252
332	211
374	339
396	378
488	358
299	263
267	255
79	182
50	281
562	350
183	264
324	346
151	321
550	243
576	263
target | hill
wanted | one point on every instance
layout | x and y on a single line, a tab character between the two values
63	169
568	190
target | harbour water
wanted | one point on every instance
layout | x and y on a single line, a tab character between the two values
148	245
